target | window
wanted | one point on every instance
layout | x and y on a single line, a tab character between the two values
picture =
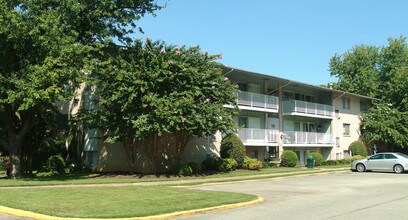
377	157
298	155
242	122
363	106
346	103
254	154
346	129
390	156
242	87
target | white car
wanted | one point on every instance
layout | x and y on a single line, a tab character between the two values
393	162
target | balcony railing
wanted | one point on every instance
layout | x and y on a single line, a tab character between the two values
258	135
300	137
308	108
257	100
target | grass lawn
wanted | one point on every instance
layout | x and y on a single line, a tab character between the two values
88	178
114	202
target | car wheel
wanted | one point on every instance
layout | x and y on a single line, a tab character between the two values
398	168
360	167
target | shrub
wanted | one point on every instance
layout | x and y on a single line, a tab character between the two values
185	170
251	164
358	148
182	170
318	158
195	167
330	162
232	147
357	157
265	165
227	165
211	163
2	163
289	158
56	163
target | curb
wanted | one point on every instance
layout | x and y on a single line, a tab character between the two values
28	214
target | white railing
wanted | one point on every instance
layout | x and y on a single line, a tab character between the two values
309	108
300	137
258	135
257	100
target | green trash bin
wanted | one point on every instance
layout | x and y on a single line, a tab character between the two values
310	162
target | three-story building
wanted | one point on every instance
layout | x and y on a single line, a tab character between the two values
278	114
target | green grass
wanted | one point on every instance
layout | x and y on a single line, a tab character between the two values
114	202
87	178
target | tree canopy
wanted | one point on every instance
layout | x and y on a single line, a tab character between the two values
44	46
150	88
379	72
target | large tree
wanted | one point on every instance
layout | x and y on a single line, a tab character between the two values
379	72
150	89
44	46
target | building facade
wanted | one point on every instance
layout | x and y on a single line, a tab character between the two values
278	114
275	114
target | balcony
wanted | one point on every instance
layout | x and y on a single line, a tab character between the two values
305	138
311	109
256	101
256	136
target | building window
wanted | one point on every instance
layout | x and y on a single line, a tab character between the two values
346	129
243	87
254	154
346	103
242	122
363	106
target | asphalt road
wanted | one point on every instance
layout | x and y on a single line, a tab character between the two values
332	196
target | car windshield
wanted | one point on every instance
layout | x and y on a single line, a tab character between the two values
403	155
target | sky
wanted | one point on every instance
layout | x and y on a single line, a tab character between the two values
292	39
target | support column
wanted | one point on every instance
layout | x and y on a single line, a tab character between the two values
280	116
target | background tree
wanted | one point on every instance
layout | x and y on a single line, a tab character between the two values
44	45
150	89
379	72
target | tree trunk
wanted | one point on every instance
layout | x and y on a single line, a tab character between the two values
16	135
15	155
182	138
130	154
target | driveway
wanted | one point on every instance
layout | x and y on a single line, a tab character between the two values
331	196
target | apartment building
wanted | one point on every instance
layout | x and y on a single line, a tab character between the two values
278	114
275	114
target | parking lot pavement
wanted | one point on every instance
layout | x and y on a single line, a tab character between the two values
9	217
332	196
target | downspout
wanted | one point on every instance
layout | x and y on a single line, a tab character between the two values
280	117
335	147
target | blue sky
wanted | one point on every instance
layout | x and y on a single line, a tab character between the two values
289	39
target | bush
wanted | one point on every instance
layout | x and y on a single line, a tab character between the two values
289	158
318	158
330	162
195	167
358	148
251	164
2	163
227	165
56	163
182	170
232	147
265	165
211	163
357	157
